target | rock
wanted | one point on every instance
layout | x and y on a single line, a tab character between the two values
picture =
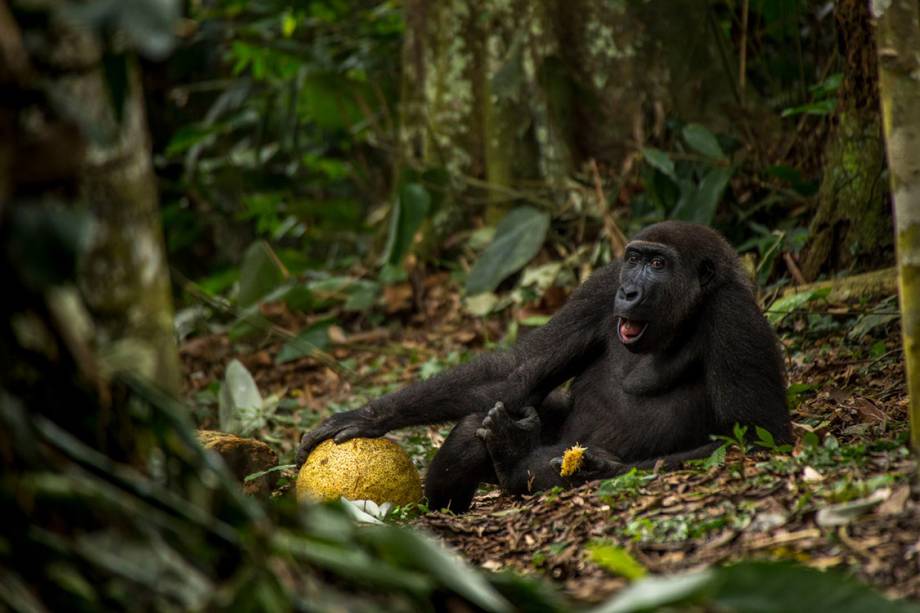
360	469
244	456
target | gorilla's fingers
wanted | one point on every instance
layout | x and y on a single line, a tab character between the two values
483	434
348	434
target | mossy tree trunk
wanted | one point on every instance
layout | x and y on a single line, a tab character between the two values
518	95
899	87
852	225
123	277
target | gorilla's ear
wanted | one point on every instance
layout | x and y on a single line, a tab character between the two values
707	272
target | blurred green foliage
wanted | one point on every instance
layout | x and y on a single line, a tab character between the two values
285	132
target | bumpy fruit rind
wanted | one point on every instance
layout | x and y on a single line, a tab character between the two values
359	469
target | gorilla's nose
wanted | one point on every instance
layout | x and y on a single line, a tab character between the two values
629	296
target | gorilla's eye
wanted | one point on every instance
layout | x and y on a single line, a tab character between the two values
632	258
658	262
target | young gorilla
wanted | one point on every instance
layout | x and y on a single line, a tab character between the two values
663	349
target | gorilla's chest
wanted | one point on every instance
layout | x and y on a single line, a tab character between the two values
627	402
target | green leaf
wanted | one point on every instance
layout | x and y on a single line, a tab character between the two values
616	560
260	273
765	587
703	141
700	204
783	306
518	238
411	208
819	107
660	160
413	551
654	593
240	403
765	438
308	342
881	315
362	295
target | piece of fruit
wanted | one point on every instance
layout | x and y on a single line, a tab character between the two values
359	469
571	460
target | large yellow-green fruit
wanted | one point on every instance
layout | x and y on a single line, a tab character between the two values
360	469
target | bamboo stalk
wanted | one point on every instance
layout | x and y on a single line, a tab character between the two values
898	41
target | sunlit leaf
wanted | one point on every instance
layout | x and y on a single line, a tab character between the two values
518	238
240	406
616	560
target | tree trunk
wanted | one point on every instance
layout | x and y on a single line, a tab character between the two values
123	277
899	86
518	95
851	227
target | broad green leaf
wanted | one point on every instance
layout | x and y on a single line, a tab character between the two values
884	313
260	273
240	403
410	211
616	560
783	306
306	343
790	588
413	551
765	587
660	160
654	593
518	238
703	141
700	204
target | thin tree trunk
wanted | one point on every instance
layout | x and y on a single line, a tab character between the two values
899	86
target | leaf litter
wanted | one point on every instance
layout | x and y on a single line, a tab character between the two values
842	499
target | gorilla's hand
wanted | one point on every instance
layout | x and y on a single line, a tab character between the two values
341	427
594	465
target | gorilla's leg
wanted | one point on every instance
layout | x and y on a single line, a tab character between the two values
461	464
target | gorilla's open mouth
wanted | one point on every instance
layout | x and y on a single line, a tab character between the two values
630	330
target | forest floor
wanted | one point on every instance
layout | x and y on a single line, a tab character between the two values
841	499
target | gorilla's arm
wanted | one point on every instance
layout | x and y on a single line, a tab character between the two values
523	376
745	377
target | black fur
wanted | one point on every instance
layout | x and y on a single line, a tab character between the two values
706	360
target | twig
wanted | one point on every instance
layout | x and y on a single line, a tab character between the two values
794	269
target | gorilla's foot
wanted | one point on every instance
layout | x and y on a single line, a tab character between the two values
509	437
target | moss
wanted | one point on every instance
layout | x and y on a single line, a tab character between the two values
852	226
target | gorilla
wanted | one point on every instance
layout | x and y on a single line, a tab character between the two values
647	360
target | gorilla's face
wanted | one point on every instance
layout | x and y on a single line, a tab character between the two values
654	297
